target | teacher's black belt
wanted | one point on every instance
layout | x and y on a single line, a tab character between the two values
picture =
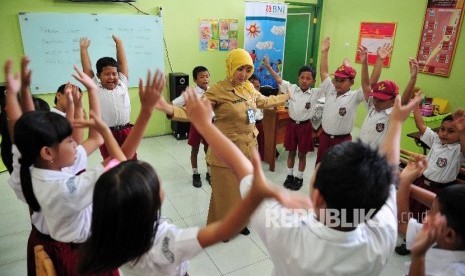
301	122
121	127
336	136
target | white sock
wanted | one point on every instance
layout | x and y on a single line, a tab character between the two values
195	170
300	175
290	171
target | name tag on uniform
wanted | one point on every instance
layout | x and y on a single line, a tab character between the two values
251	116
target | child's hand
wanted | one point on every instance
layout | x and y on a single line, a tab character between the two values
384	52
116	39
266	60
25	73
84	79
325	44
413	64
199	109
151	93
261	189
459	123
76	95
346	62
429	234
401	112
363	53
94	122
414	169
84	42
13	82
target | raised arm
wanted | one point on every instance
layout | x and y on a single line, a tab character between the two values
148	95
275	75
366	87
121	57
391	145
25	98
324	71
412	171
94	139
78	114
13	109
460	125
408	92
421	126
84	43
381	54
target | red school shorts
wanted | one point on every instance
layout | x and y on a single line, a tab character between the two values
195	138
299	136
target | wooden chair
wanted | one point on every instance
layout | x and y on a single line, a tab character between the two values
44	265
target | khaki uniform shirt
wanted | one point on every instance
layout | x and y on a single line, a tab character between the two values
230	106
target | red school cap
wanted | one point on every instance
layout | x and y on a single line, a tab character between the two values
345	71
385	90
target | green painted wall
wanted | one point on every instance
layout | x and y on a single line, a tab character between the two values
341	21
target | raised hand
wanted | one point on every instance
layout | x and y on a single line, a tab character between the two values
429	234
116	39
84	79
401	113
414	168
25	73
325	44
413	64
94	122
199	109
385	51
151	93
13	82
84	42
363	53
266	60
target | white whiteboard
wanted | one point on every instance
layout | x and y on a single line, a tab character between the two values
51	40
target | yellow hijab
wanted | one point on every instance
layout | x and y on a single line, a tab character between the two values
235	59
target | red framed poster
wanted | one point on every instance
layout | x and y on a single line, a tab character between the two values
374	35
439	36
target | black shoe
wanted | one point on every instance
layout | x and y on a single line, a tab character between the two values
402	249
296	184
289	181
207	177
196	182
245	231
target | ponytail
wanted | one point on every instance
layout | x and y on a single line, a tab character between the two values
26	185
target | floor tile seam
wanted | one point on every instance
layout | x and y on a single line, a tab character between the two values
14	233
13	262
254	263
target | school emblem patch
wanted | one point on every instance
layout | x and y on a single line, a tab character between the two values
342	111
307	105
441	162
379	127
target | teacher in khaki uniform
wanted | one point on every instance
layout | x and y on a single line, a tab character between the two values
234	101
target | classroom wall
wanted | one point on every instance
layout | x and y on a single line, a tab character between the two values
341	21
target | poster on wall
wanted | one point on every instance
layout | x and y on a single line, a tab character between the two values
218	34
438	40
264	35
374	35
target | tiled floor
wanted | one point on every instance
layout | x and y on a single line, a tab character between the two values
184	205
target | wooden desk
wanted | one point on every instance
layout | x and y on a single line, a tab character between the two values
416	136
274	127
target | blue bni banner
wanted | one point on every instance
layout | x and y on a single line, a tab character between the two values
264	35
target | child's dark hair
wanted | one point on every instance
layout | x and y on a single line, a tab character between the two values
452	205
307	68
61	89
354	177
254	77
33	131
197	70
7	156
448	118
104	62
126	210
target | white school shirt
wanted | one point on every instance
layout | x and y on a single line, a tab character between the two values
444	161
438	262
115	105
302	103
179	101
171	251
375	126
53	109
14	181
339	112
299	244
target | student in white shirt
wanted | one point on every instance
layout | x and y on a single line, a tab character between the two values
126	224
351	178
437	245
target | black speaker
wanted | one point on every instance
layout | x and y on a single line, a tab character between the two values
178	83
